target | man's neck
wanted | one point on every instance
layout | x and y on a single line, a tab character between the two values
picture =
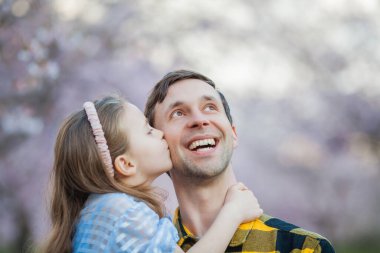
200	203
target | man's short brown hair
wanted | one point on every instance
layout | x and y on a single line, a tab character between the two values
160	91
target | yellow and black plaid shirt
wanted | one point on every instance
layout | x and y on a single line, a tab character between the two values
266	234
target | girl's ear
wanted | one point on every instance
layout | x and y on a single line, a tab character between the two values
125	166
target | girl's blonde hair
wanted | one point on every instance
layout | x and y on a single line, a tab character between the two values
79	170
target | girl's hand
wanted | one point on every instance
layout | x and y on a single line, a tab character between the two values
242	204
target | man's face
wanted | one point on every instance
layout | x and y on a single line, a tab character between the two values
199	135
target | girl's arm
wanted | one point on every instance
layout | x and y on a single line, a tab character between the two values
240	206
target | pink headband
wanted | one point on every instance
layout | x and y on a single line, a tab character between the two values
100	140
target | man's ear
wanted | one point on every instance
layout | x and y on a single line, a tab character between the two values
234	136
125	166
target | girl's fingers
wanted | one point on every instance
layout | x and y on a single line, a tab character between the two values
240	186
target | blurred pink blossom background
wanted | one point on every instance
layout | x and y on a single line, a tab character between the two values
302	78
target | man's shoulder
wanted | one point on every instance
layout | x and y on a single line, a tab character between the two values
287	236
286	227
274	234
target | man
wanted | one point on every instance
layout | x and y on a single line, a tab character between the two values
198	127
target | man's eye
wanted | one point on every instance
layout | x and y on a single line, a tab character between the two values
177	113
210	108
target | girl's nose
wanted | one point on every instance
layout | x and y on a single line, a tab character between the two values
160	134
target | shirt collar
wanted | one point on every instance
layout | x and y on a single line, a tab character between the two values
185	234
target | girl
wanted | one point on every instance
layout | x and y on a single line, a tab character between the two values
106	157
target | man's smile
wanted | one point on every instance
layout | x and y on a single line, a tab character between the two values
202	144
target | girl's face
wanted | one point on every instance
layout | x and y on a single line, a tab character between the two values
147	147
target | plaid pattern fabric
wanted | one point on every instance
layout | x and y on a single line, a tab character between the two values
266	234
116	222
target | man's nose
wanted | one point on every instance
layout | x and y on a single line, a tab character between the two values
198	119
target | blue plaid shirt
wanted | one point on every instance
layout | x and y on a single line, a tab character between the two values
116	222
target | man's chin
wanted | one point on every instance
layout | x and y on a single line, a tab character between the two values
204	172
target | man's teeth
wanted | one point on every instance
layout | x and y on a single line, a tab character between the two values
199	143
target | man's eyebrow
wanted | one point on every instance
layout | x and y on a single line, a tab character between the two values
174	104
207	98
